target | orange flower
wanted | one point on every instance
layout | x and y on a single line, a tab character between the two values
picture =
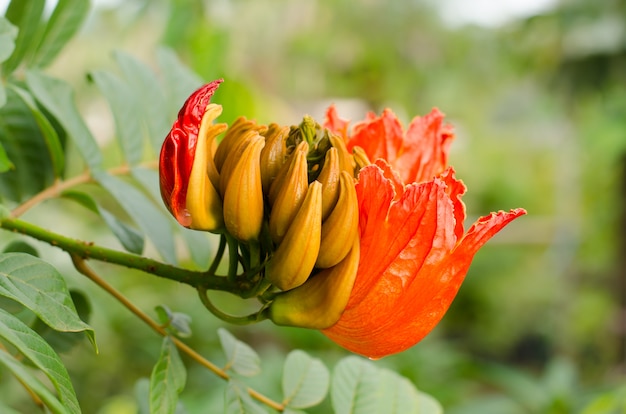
414	251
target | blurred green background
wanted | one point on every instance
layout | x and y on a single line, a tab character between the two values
538	99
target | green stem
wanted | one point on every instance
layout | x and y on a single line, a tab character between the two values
233	257
235	320
88	250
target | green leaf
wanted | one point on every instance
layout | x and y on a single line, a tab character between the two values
238	401
177	323
305	380
26	377
355	387
130	238
33	347
153	222
240	357
65	341
20	246
39	287
180	81
398	395
5	162
66	19
25	147
8	32
50	135
150	98
167	380
26	15
58	98
126	112
427	404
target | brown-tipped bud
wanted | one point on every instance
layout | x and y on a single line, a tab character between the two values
294	259
283	174
243	198
320	301
360	158
289	197
341	227
274	153
345	158
232	138
329	177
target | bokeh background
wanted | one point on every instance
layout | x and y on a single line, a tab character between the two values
537	94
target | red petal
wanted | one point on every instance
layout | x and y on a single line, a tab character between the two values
379	137
425	148
178	150
412	263
335	124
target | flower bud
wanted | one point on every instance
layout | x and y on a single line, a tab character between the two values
345	159
329	177
243	196
274	154
283	173
236	132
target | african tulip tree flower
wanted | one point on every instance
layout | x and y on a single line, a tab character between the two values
414	251
356	233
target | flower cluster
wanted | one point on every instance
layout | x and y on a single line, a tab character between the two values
358	233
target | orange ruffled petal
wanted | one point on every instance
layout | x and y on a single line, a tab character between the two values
414	258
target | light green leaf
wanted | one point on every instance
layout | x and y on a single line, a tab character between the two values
427	404
26	15
398	395
5	162
130	238
292	411
147	89
238	401
58	98
39	286
148	217
20	246
239	356
167	380
180	81
3	96
305	380
26	377
55	149
66	19
355	387
126	112
33	347
8	32
26	148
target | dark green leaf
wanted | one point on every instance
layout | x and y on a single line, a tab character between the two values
39	287
167	380
355	387
238	401
58	98
26	15
33	347
240	357
180	81
130	238
148	217
8	32
20	246
26	377
66	19
26	148
126	112
55	149
144	84
305	380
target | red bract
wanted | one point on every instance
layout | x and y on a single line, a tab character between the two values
414	251
178	152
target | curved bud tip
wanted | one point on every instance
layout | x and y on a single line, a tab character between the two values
179	149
